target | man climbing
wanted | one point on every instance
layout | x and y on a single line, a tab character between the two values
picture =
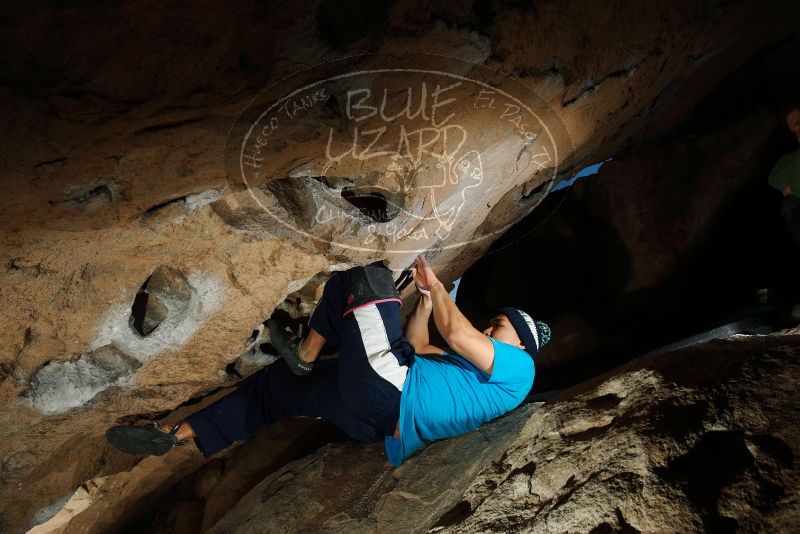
385	386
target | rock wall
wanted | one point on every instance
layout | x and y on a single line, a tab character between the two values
135	268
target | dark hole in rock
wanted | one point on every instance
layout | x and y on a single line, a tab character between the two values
138	311
604	402
717	460
455	515
147	313
231	371
372	204
267	348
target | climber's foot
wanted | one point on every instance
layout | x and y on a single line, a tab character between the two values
148	440
288	345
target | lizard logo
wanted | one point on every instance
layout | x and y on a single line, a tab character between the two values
372	154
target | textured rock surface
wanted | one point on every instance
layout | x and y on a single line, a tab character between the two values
350	487
114	121
697	440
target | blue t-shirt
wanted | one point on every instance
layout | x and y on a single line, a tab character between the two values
446	396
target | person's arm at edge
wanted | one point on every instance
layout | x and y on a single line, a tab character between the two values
417	327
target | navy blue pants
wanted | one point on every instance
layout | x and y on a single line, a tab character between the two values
359	392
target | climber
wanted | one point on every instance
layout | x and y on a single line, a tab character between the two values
785	177
385	386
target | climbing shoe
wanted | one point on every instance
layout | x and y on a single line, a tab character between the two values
288	345
147	440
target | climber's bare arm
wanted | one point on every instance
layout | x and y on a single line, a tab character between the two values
457	331
461	336
417	327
